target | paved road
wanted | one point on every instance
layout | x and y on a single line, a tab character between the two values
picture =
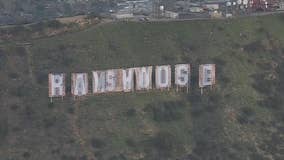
137	19
208	18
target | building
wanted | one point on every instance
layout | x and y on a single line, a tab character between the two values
170	14
211	7
216	14
281	6
229	15
196	9
122	15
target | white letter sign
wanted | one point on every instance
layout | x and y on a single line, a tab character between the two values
143	78
79	86
56	85
163	76
206	75
114	80
182	75
128	82
130	79
99	82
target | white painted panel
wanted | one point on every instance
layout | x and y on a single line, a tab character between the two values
99	82
163	76
128	80
79	84
206	75
114	80
182	75
56	85
143	78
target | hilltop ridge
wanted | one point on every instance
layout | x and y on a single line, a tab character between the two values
242	118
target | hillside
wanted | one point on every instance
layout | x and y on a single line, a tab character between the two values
242	118
28	11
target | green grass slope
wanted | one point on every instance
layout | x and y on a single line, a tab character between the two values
242	118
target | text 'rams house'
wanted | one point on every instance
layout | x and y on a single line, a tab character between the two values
130	79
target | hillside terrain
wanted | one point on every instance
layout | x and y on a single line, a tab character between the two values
28	11
240	119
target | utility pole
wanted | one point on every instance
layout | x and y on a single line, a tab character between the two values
156	8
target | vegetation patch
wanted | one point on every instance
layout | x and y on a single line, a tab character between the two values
240	118
166	111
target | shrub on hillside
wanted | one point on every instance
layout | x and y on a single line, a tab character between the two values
166	111
49	122
254	47
3	129
38	27
273	102
54	24
165	144
20	51
130	142
14	107
246	115
262	85
41	78
118	157
22	91
26	155
97	143
3	59
67	157
130	112
13	76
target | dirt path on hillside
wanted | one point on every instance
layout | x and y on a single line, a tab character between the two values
30	62
78	134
